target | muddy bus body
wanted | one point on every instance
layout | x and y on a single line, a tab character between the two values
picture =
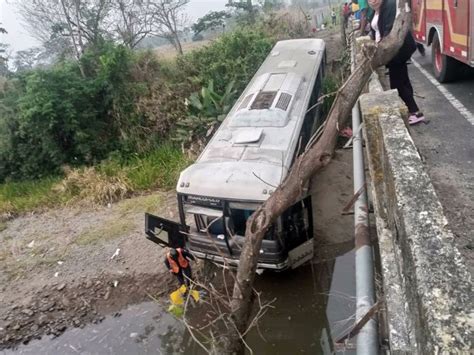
247	158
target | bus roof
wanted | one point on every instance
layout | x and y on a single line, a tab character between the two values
252	151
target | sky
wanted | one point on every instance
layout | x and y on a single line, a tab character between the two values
19	39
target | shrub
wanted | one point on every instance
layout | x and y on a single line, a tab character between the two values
56	116
93	187
207	109
234	56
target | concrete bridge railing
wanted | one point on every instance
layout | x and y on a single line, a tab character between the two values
427	287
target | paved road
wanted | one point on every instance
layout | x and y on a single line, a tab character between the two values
447	145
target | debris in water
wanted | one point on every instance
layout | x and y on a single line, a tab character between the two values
116	283
31	244
133	335
60	262
56	274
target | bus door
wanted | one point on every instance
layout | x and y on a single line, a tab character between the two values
164	232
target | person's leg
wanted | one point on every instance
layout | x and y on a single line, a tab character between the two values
399	80
363	20
421	48
188	275
180	278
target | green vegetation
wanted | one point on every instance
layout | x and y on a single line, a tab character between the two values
207	110
99	129
56	116
330	87
107	182
23	196
158	169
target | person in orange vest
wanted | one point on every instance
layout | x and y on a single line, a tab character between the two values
177	262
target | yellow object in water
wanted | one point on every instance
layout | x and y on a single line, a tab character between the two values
178	297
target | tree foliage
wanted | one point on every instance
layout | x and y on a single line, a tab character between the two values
235	56
55	116
247	7
3	58
209	21
119	102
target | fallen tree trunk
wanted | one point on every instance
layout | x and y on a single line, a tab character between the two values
313	159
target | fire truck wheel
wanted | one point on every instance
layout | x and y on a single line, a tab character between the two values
444	67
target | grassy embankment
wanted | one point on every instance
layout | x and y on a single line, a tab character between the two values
158	169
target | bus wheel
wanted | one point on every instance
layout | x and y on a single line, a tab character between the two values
444	67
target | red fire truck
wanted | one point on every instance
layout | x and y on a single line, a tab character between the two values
447	25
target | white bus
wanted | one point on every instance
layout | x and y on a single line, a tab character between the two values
247	158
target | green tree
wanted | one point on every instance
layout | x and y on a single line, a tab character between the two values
235	56
246	6
209	21
3	58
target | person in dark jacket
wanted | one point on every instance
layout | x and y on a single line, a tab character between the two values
381	24
177	262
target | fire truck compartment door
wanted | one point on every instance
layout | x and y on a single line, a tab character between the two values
471	33
164	232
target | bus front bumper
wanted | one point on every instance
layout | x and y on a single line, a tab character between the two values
235	262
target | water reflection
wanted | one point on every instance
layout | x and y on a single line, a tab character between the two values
300	323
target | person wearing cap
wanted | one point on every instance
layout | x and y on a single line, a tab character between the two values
177	262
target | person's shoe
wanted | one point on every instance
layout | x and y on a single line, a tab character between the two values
416	118
346	132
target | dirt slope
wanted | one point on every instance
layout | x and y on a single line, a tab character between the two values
57	268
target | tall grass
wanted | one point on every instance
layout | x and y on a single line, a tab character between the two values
16	197
158	169
109	181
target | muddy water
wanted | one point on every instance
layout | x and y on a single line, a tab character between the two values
312	305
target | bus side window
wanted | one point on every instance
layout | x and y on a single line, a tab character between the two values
309	120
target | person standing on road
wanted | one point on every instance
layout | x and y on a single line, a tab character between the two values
363	9
355	9
177	262
381	24
346	12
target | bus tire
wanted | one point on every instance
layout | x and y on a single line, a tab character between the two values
444	67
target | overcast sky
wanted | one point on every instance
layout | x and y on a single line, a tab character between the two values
19	39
